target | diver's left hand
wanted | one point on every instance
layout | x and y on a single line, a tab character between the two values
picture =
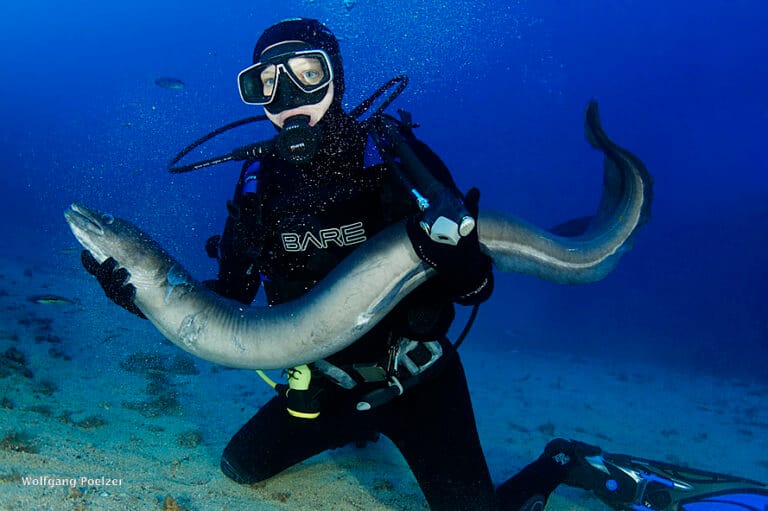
464	265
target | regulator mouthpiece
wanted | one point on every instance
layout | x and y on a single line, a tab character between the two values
298	141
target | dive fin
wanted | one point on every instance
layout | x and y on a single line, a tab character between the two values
660	486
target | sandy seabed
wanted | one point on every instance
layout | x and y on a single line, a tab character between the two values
98	412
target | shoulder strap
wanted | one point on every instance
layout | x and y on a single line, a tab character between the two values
247	181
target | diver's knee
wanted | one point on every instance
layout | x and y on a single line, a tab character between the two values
232	469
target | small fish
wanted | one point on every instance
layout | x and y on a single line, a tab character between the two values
50	300
168	82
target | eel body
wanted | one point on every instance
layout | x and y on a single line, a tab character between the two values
368	283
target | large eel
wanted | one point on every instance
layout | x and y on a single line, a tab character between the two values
368	283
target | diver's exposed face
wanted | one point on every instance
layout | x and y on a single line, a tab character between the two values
291	78
308	71
315	111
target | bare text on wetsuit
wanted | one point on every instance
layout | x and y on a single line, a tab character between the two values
343	236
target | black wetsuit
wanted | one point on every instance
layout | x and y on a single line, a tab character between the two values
288	232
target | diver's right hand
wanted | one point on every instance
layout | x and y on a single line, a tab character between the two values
113	280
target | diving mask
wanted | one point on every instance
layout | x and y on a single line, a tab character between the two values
286	80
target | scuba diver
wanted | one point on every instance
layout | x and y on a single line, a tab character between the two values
304	201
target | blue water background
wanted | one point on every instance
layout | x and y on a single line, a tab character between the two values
499	89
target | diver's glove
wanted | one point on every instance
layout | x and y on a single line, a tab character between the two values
466	270
113	280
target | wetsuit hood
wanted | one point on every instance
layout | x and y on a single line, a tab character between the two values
316	36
